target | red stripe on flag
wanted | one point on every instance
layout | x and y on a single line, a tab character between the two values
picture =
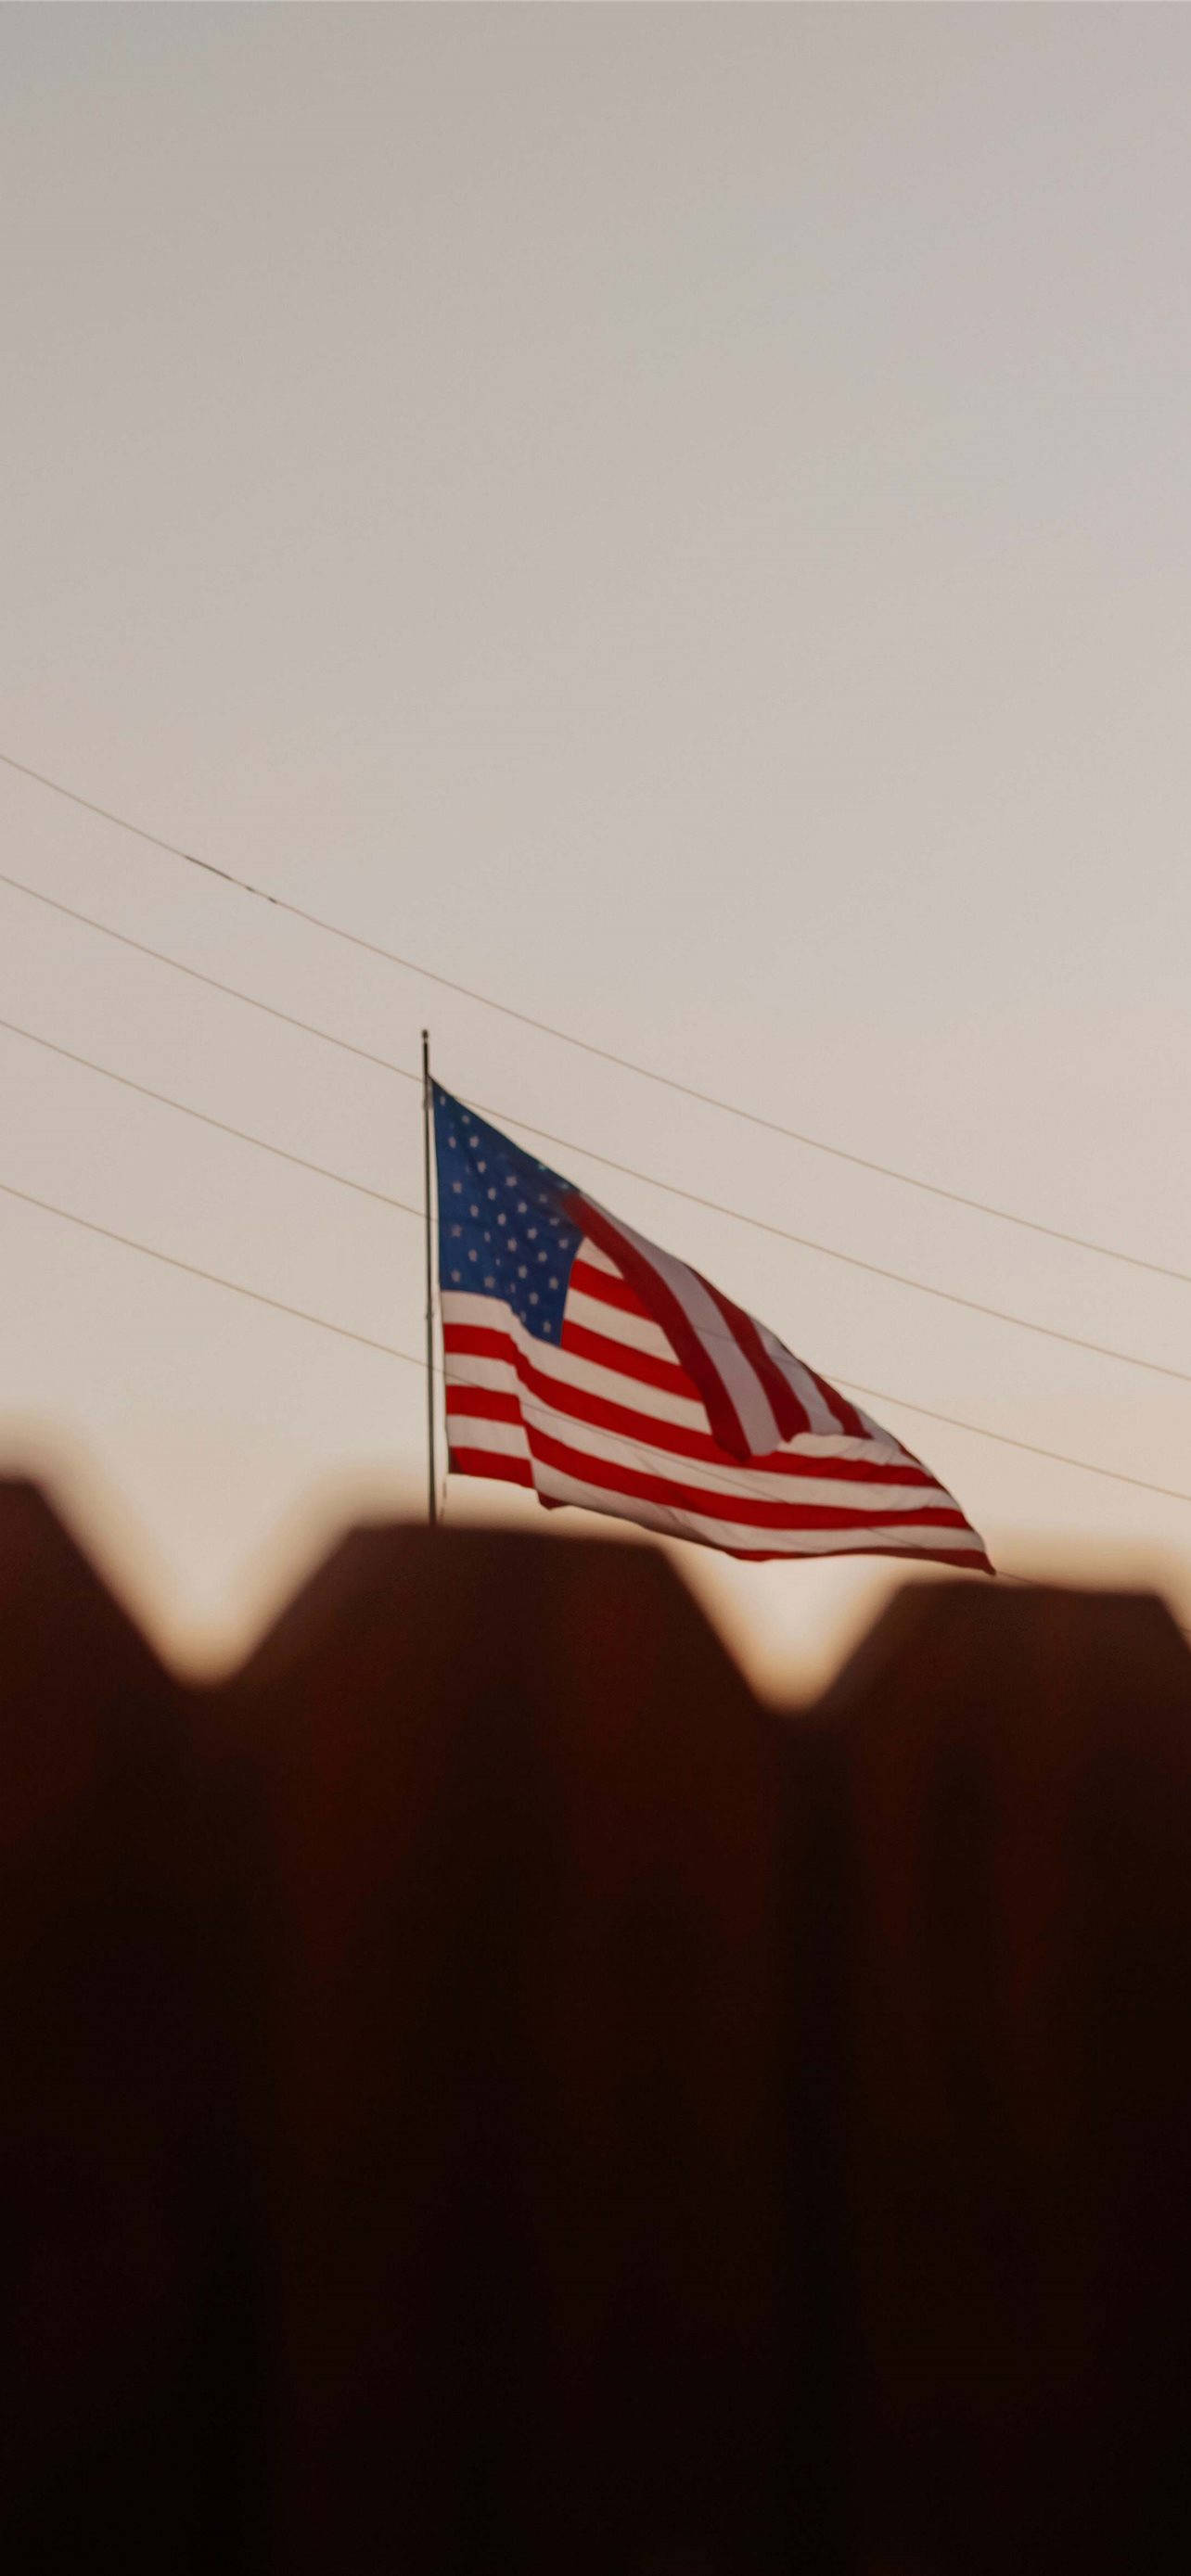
790	1416
970	1560
837	1405
750	1512
484	1403
487	1341
607	1289
492	1463
477	1341
498	1468
604	1413
663	1305
641	1365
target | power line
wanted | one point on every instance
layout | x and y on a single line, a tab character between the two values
854	1260
389	1350
879	1395
197	976
606	1055
980	1431
241	1134
213	1278
739	1216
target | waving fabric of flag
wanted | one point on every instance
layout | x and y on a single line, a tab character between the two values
586	1363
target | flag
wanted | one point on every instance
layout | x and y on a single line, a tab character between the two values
584	1362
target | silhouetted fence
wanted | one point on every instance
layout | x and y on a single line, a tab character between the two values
482	2093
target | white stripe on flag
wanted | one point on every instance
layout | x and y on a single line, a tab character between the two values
740	1380
744	1537
687	1413
636	1331
723	1481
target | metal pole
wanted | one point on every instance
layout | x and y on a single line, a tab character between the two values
427	1114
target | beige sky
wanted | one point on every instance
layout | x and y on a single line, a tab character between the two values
678	518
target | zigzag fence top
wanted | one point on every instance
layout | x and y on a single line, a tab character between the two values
485	2093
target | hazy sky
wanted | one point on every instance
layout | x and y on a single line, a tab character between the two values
679	518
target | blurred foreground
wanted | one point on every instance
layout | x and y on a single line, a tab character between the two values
486	2093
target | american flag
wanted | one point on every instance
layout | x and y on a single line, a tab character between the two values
584	1362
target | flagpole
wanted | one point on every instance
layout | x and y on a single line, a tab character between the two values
431	1474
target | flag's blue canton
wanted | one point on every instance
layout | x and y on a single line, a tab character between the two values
503	1229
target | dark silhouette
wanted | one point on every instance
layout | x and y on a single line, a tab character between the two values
483	2093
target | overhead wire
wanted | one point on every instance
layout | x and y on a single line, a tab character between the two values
739	1216
718	1207
411	1359
264	1144
587	1046
214	1278
854	1260
198	975
386	1064
879	1395
1006	1440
